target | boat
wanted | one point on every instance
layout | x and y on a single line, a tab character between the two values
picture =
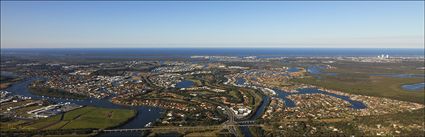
148	124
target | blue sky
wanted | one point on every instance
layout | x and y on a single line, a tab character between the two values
212	24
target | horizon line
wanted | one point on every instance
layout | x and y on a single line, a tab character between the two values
213	48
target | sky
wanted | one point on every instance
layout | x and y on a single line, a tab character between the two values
276	24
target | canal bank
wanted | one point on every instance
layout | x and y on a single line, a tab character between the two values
258	113
290	103
144	115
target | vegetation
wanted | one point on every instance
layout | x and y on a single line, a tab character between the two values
358	79
89	117
82	118
51	92
395	121
81	122
376	68
371	86
6	81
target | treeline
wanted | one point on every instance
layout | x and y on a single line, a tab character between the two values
51	92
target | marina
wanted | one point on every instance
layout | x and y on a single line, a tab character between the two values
145	114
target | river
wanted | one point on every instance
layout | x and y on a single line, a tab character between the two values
258	113
289	103
144	116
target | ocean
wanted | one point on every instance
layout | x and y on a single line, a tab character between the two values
187	52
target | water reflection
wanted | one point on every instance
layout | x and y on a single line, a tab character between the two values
290	103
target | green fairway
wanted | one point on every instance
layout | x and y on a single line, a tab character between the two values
86	117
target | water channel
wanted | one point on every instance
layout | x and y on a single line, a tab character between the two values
316	70
240	81
144	116
414	87
258	113
289	103
151	114
293	69
185	84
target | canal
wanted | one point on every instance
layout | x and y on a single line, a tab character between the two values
258	113
289	103
185	84
144	116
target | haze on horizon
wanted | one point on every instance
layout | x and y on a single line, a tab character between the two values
174	24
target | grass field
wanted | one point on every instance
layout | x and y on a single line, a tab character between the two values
86	117
43	122
356	79
371	86
371	68
10	125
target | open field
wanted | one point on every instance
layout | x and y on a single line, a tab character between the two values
357	79
10	125
407	67
86	117
372	86
91	117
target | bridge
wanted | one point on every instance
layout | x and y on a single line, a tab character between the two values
179	128
230	124
246	122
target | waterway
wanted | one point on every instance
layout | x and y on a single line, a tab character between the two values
293	69
185	84
144	116
260	110
414	87
258	113
316	70
240	81
289	103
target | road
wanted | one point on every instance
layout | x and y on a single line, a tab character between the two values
231	116
230	124
179	128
